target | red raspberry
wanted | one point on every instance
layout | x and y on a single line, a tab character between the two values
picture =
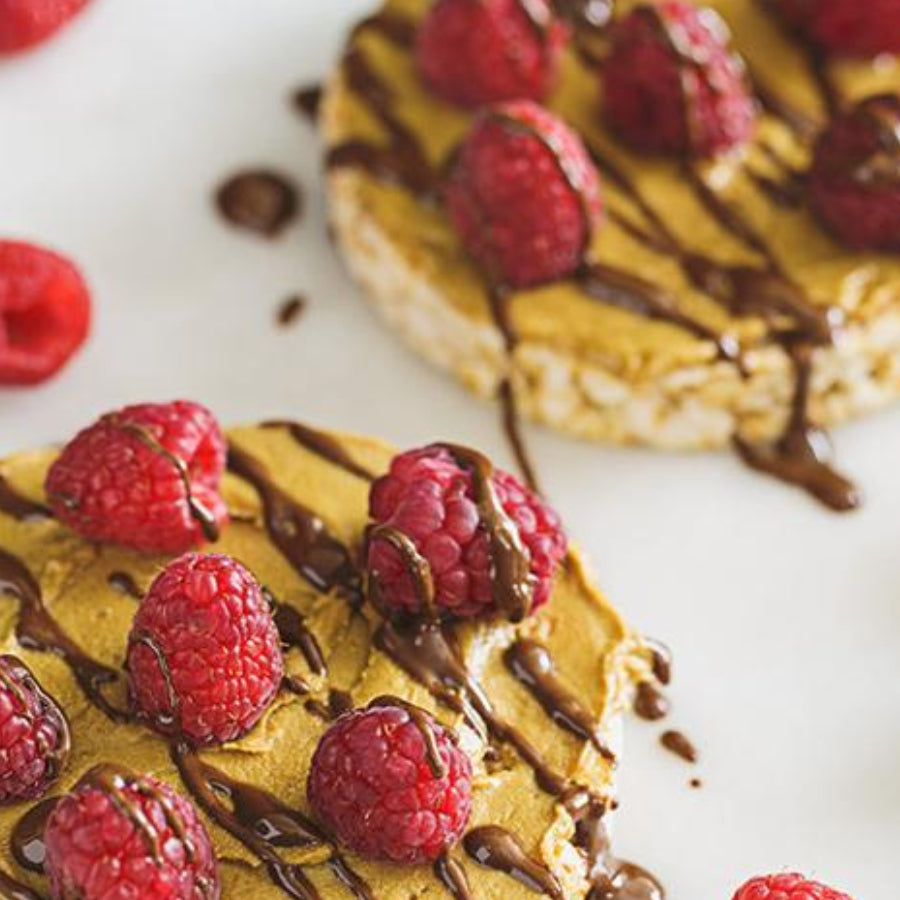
24	23
672	85
145	477
375	784
855	177
120	836
787	887
524	195
204	658
848	27
428	497
34	734
45	310
476	52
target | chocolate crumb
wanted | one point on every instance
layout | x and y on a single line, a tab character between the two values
308	101
259	200
291	310
678	744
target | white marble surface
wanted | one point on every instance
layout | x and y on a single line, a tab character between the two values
785	619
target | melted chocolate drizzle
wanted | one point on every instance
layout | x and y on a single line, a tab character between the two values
293	631
650	703
38	630
20	508
417	567
452	875
532	665
301	536
15	890
323	445
680	745
496	848
339	703
125	584
261	201
27	839
424	725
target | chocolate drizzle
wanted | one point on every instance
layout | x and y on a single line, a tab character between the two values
263	824
452	876
339	703
293	632
511	570
27	839
11	889
417	568
650	703
38	630
301	536
123	583
531	664
259	200
424	725
496	848
323	445
20	508
680	745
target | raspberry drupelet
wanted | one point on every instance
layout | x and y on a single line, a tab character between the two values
146	477
671	84
431	499
391	784
204	657
120	835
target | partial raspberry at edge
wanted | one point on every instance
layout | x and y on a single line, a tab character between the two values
672	85
145	477
524	196
428	497
475	53
787	886
862	28
45	312
26	23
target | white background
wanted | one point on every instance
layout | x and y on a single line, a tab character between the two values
785	619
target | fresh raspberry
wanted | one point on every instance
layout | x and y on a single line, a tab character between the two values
475	52
847	27
24	23
855	178
120	836
380	790
34	735
204	658
524	195
146	477
673	86
45	310
787	887
427	496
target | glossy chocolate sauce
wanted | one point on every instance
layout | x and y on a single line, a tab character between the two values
37	630
259	200
680	745
650	703
308	101
323	445
124	584
417	567
27	839
452	875
199	513
511	561
19	507
424	725
497	848
532	665
10	889
291	310
301	536
339	703
293	632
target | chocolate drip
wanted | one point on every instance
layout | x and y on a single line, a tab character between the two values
395	27
260	200
426	652
512	427
37	630
661	661
511	561
291	310
27	839
125	584
339	703
417	567
803	455
323	445
650	703
452	876
20	508
532	665
308	101
424	725
199	512
610	878
496	848
301	536
10	889
293	632
789	189
679	744
263	824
